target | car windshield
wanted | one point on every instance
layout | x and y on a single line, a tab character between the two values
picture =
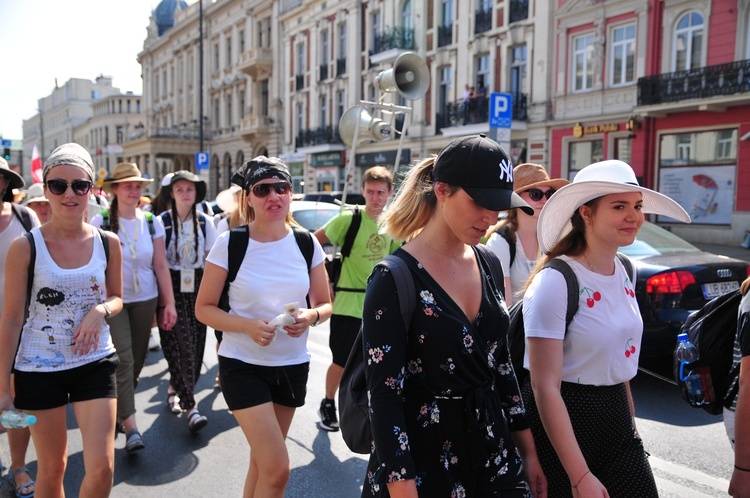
652	240
312	219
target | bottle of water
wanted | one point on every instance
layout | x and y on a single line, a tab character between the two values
16	419
686	353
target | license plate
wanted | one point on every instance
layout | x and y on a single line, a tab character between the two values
716	289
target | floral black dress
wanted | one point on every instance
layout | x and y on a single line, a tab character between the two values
443	395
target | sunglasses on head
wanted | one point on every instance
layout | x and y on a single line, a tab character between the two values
263	189
59	187
536	195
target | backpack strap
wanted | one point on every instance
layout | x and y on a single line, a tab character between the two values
150	220
504	232
105	243
496	269
105	219
406	289
237	247
351	233
32	265
571	281
305	243
629	268
166	219
22	213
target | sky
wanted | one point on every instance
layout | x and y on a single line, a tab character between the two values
41	40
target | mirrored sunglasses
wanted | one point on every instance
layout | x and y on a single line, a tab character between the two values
263	189
536	195
59	187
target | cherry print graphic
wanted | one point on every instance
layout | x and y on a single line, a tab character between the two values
628	290
629	348
592	296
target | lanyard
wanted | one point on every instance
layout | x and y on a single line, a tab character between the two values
133	253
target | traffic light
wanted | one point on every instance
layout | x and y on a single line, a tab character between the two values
6	153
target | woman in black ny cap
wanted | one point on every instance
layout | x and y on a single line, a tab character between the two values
446	411
264	367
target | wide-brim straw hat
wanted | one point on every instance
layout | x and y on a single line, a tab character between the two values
527	176
200	185
35	193
125	172
597	180
14	179
227	199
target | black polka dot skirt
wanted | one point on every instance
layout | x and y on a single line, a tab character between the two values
604	429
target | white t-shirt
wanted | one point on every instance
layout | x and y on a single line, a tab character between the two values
60	298
222	226
184	241
521	268
272	274
143	263
13	230
603	342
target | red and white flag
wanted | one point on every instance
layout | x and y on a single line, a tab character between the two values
36	166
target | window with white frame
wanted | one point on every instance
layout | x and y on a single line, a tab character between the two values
264	98
483	70
406	19
340	104
229	52
300	60
325	53
230	119
444	92
216	56
517	69
725	139
583	62
485	5
684	147
241	107
622	55
342	41
322	111
688	42
376	28
446	10
242	41
299	111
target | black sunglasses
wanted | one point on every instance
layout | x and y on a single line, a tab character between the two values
263	189
59	187
536	195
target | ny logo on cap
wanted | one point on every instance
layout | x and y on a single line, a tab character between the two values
506	170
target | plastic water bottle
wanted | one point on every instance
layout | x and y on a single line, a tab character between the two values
16	419
686	353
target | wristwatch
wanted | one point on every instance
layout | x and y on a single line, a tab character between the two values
107	310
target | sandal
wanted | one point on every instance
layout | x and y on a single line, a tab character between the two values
196	421
173	402
21	488
134	441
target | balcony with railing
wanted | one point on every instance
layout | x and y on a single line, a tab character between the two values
253	127
475	111
299	82
318	136
256	61
701	83
519	10
445	35
341	66
394	38
323	72
482	20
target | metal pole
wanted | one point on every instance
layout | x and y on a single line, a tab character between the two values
200	75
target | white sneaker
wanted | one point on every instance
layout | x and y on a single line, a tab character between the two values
153	342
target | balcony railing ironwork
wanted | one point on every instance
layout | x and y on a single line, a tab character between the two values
396	37
704	82
482	20
299	82
519	10
323	71
318	136
445	35
341	66
474	111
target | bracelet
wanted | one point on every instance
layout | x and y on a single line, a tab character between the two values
742	469
107	311
575	486
317	318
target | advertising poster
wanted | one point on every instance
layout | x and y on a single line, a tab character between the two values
705	192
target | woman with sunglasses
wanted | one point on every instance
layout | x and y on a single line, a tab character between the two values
263	367
514	238
146	283
65	352
190	235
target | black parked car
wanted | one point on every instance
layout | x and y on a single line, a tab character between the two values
675	278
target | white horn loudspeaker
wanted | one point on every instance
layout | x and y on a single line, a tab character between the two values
409	76
370	128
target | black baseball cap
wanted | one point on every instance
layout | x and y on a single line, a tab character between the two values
483	169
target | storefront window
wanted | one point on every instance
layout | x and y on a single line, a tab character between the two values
623	148
707	147
582	154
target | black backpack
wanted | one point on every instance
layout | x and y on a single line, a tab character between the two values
334	266
504	232
516	335
166	218
712	329
23	215
354	410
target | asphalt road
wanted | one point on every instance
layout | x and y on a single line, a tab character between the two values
689	451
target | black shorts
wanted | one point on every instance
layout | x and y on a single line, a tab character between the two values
47	390
245	385
344	331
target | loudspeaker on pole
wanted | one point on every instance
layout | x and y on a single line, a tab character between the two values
409	77
370	128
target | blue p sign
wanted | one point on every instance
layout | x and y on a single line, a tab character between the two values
501	110
201	161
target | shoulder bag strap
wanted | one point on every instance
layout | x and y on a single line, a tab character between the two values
572	283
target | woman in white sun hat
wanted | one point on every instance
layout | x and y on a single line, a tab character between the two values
578	396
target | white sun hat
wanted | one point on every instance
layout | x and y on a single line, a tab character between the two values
227	199
596	180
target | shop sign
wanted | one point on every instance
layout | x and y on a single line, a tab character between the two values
580	130
368	159
323	159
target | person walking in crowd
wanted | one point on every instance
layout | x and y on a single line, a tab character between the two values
189	236
578	398
146	283
514	238
15	221
737	417
65	352
445	407
264	368
36	201
368	247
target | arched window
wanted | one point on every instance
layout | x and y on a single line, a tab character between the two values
406	19
688	42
